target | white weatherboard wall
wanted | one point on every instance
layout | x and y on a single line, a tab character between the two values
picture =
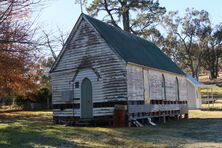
146	84
97	94
84	54
135	85
156	89
61	82
183	88
194	96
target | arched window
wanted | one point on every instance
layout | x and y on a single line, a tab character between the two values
177	89
164	87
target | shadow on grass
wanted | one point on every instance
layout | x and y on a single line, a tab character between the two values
37	131
26	137
24	116
196	130
10	111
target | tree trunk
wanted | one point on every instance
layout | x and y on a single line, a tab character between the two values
214	66
126	25
125	15
192	69
212	75
197	69
213	72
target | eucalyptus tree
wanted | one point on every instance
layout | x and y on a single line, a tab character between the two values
211	42
183	33
136	16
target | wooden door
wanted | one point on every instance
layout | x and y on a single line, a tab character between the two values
86	99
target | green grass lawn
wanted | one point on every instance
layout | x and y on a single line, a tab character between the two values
35	129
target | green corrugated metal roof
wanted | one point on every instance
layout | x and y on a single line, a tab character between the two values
133	48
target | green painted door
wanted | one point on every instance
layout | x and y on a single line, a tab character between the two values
86	99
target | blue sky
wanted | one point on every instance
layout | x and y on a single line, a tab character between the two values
64	13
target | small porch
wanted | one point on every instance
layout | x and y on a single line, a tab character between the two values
199	93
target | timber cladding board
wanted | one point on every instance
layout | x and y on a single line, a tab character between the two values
85	55
96	85
66	105
102	111
139	77
183	85
135	86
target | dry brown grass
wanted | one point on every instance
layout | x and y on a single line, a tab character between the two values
205	79
35	129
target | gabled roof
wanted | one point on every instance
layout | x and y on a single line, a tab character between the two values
130	48
133	48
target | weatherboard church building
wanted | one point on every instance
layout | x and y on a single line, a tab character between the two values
102	68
